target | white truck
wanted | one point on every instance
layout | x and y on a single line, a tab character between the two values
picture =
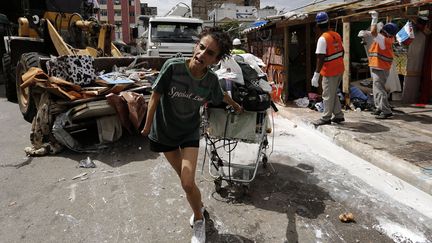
171	35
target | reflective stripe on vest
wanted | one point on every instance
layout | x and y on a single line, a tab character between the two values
334	56
333	60
379	58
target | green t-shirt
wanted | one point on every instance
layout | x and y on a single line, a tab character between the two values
177	119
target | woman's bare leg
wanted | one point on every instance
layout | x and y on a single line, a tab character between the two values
184	163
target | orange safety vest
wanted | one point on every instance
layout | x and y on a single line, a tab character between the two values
333	60
379	58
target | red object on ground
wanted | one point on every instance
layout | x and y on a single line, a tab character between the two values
420	105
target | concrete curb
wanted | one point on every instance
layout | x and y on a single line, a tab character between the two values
382	159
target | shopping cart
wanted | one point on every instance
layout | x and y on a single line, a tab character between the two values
226	132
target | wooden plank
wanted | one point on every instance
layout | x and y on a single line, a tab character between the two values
346	45
287	40
366	16
308	57
58	41
291	22
384	9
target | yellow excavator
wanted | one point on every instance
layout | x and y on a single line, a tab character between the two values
46	28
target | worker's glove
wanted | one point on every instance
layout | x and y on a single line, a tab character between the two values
379	26
374	15
315	79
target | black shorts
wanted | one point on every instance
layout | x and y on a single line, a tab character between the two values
161	148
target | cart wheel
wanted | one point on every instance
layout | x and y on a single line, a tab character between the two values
218	185
264	161
246	189
265	142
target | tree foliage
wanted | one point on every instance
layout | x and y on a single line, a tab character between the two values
233	28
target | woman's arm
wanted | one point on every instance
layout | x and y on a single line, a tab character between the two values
227	99
151	109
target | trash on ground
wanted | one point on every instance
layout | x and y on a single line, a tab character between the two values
347	217
80	175
87	163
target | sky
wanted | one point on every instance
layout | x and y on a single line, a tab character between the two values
285	5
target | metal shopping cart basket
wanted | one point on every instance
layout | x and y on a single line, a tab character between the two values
226	132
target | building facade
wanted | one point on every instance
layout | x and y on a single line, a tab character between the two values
231	11
201	8
265	12
123	14
149	11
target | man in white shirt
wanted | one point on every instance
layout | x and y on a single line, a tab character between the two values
330	66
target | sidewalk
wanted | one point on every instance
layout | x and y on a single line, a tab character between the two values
401	145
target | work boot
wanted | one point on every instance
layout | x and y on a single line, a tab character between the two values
384	116
338	120
321	122
376	112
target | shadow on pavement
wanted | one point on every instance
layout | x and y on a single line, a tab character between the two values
130	148
213	236
290	190
414	117
363	127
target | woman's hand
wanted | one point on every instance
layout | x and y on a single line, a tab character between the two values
227	99
238	108
145	132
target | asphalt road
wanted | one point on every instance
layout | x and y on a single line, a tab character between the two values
134	196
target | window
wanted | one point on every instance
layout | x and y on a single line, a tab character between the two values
117	12
175	32
131	14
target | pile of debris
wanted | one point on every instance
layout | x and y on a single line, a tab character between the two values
82	109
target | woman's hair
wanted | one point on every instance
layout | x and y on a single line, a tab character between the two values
222	38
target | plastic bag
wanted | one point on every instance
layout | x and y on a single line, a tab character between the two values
228	67
406	34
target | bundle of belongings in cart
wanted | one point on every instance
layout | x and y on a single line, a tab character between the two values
82	109
242	77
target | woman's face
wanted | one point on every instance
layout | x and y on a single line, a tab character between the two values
206	53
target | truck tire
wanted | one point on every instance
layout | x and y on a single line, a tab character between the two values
26	100
9	74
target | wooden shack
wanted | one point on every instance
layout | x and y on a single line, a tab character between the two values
287	43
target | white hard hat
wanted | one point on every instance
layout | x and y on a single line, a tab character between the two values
236	42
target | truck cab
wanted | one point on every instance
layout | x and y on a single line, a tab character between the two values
172	35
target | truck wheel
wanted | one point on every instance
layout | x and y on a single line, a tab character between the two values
9	74
26	101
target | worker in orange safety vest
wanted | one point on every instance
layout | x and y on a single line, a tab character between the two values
330	66
380	57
